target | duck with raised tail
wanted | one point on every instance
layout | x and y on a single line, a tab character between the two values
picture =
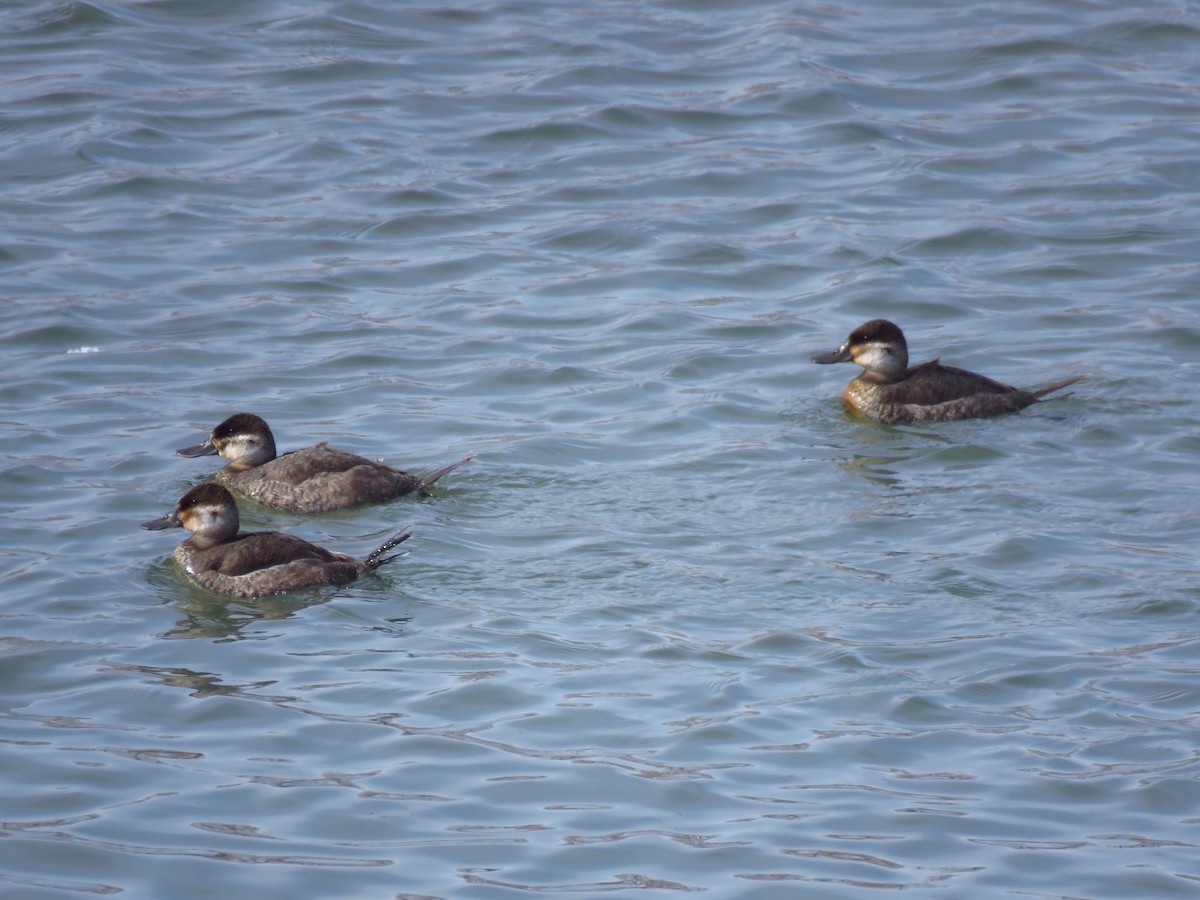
252	563
316	479
887	390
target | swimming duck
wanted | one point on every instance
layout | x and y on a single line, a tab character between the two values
315	479
253	563
889	391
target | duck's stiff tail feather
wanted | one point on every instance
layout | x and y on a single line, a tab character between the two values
430	479
377	559
1058	386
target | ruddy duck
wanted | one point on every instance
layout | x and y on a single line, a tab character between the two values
315	479
254	563
889	391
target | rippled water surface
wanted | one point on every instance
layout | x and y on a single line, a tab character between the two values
682	625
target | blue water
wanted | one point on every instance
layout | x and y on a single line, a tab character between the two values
682	624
